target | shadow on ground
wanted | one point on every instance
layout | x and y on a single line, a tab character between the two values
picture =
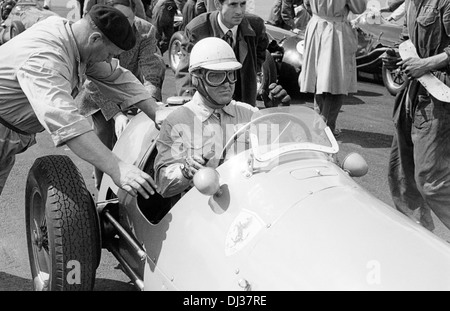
366	139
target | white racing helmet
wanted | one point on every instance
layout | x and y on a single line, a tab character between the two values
213	54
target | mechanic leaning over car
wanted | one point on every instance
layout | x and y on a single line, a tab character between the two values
144	60
246	33
193	135
42	71
419	170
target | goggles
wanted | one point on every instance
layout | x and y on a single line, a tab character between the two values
216	78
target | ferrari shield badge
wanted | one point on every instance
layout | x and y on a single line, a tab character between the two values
243	229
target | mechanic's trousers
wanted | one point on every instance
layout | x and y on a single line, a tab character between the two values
11	143
419	166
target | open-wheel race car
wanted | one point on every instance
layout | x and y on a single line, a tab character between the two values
280	214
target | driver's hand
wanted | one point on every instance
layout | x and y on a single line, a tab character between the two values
278	95
191	166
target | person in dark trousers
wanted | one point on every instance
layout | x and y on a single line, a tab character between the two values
419	170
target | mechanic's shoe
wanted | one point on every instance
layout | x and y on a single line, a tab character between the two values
46	7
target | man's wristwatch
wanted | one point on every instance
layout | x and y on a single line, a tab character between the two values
185	172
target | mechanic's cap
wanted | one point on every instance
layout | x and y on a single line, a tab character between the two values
213	54
114	25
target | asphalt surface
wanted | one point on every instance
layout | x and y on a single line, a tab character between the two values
365	121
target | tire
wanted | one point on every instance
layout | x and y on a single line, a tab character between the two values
62	227
16	28
269	70
394	81
175	51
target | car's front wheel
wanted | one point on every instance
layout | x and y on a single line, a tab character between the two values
62	226
394	80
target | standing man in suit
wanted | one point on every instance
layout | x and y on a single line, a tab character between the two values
246	33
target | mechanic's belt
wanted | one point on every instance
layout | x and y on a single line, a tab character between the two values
12	127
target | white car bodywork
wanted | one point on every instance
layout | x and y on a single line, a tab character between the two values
292	221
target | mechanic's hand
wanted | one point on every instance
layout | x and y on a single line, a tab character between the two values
134	181
120	122
414	67
390	59
278	95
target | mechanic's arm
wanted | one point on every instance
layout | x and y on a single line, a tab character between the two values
416	67
126	176
122	87
48	90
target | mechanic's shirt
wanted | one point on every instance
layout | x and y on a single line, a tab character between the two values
429	26
195	129
41	73
429	29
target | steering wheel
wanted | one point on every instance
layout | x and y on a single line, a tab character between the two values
262	118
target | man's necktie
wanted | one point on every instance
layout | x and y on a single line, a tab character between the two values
229	37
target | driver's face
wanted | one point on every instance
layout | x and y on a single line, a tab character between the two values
222	94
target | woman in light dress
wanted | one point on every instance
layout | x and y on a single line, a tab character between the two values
329	60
